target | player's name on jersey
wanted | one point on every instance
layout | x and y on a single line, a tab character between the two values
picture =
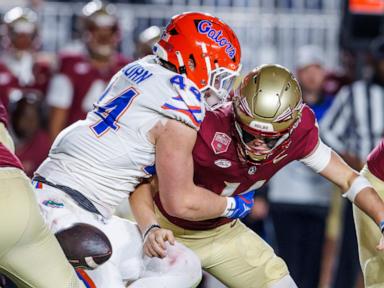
136	73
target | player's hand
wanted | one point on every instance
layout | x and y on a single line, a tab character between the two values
380	247
260	209
154	243
241	205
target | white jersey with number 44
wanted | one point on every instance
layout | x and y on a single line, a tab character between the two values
106	155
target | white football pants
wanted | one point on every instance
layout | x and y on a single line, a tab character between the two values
181	268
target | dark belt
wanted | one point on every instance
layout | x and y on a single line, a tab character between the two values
79	198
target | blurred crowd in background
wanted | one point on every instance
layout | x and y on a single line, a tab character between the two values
56	59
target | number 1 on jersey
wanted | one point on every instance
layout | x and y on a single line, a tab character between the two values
112	111
230	187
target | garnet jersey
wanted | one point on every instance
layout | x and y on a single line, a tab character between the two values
30	72
33	152
3	114
79	84
375	161
7	158
218	168
106	155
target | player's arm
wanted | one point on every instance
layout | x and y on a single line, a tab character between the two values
353	186
57	120
141	202
59	99
174	166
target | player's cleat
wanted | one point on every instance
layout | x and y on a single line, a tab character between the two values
84	245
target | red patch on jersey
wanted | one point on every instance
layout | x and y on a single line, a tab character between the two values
220	142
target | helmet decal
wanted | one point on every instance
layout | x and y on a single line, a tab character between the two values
267	127
205	27
245	107
286	115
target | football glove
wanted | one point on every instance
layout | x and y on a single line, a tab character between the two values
239	206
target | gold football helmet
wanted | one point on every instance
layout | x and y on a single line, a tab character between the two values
101	29
21	27
267	107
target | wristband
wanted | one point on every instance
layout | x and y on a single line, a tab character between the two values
145	234
231	203
358	184
382	226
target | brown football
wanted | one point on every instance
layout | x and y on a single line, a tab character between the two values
84	245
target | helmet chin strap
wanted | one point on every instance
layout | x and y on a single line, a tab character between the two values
206	59
182	69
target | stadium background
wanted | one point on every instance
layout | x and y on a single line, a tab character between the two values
269	30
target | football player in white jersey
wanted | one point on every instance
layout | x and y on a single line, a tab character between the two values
151	107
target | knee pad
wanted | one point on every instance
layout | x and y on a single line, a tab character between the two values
285	282
84	245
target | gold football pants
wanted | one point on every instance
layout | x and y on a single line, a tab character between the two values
232	253
5	138
29	254
368	236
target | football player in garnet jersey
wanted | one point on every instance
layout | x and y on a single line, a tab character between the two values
83	75
148	114
25	241
239	147
371	260
22	66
